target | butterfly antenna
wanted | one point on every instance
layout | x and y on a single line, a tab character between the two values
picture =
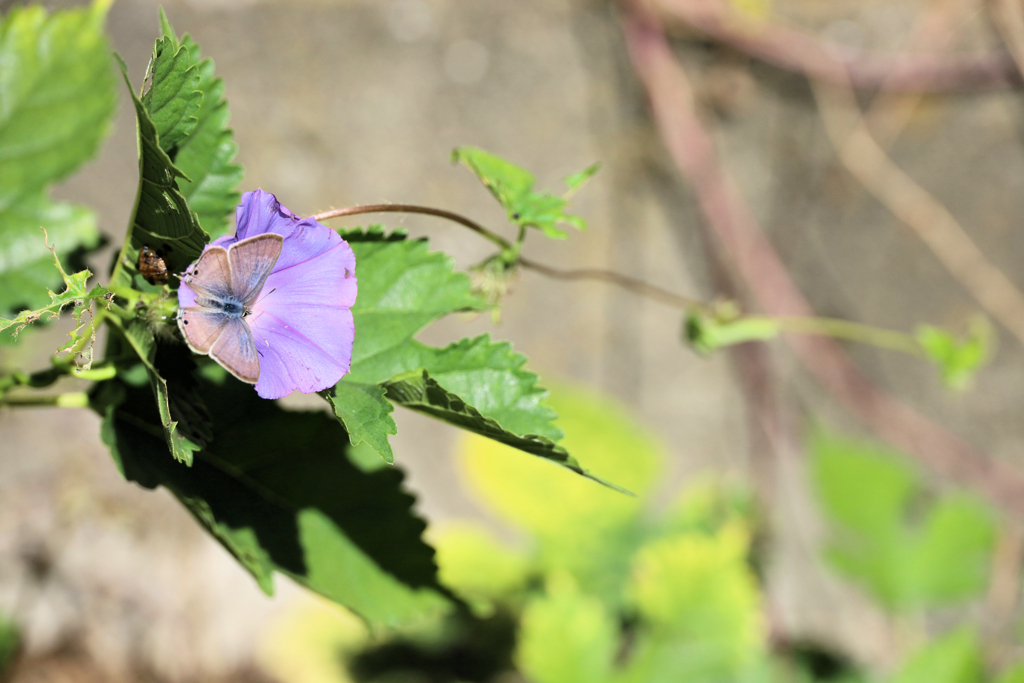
264	297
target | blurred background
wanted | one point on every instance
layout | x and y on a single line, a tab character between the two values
342	102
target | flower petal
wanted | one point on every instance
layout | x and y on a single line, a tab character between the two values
308	359
328	280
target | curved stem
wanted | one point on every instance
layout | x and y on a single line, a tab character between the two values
832	327
626	282
413	208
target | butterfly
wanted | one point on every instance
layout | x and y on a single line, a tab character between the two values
226	283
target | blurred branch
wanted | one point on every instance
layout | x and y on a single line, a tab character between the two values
806	54
1008	16
917	209
740	238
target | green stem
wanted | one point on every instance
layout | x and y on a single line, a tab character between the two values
852	331
71	399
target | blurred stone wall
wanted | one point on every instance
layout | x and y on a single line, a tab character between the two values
361	101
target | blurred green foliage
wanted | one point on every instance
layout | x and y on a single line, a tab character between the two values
910	550
957	359
603	588
10	643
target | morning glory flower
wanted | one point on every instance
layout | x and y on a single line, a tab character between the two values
300	320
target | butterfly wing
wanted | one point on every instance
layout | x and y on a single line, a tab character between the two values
251	262
202	327
235	349
210	277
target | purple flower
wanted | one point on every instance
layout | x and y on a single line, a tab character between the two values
300	321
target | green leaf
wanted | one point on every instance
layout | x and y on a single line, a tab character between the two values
402	288
76	294
417	391
206	156
173	98
512	186
566	637
1012	674
706	333
700	602
954	658
277	489
56	95
490	377
140	339
908	553
162	218
477	566
10	643
474	384
57	99
591	531
577	180
365	414
26	265
957	359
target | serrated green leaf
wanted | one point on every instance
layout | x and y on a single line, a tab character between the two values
907	554
56	95
512	186
402	288
490	377
417	391
953	658
277	489
75	294
206	156
566	637
162	218
57	99
365	414
173	98
957	359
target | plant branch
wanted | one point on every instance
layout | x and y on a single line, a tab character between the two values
916	208
624	281
412	208
737	234
837	328
806	54
71	399
1008	16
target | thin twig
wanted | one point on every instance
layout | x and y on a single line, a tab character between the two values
1008	16
754	258
808	55
624	281
413	208
916	208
